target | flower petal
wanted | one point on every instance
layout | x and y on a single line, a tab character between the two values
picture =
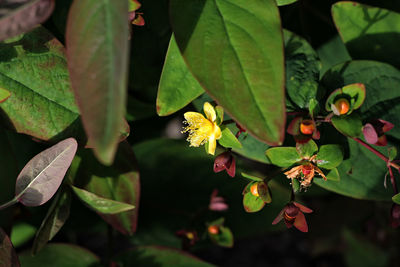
193	116
300	223
279	217
209	111
303	208
212	144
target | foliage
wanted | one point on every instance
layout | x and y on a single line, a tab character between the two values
92	96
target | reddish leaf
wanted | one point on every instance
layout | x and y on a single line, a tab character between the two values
8	257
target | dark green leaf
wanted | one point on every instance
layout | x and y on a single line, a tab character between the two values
285	2
307	150
42	103
302	70
332	53
18	16
228	139
62	255
244	49
329	156
155	256
368	32
97	50
177	86
361	175
8	257
252	177
55	218
350	125
119	182
283	156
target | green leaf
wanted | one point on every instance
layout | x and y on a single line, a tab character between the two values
313	107
252	177
100	204
392	151
21	233
251	148
357	93
224	238
55	218
228	139
379	79
220	114
62	255
368	32
8	257
252	203
283	156
361	252
295	185
241	32
329	156
21	16
42	103
177	86
396	198
332	53
119	182
285	2
306	150
4	95
302	70
97	50
350	125
361	175
333	175
156	256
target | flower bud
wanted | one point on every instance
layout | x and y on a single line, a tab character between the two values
341	106
254	190
225	161
395	216
307	127
213	229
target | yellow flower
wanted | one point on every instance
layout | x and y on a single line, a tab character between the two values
203	130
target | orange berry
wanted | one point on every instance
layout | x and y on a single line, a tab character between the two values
342	105
307	127
254	190
213	229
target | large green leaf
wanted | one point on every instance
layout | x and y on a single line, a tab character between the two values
329	156
331	53
34	69
382	84
18	16
302	70
97	50
361	175
153	256
119	182
368	32
350	125
241	42
177	86
61	255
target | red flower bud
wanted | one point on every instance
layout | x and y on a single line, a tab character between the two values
225	161
293	215
395	216
374	132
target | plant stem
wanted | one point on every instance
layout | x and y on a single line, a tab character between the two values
376	152
9	203
393	181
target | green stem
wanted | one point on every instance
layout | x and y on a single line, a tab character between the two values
9	203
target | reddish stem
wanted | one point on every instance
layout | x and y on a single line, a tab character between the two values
393	180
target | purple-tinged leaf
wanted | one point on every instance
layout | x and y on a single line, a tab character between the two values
19	16
8	257
42	175
97	51
55	218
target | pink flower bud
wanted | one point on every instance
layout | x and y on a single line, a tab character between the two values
225	161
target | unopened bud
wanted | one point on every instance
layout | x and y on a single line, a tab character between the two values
341	106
